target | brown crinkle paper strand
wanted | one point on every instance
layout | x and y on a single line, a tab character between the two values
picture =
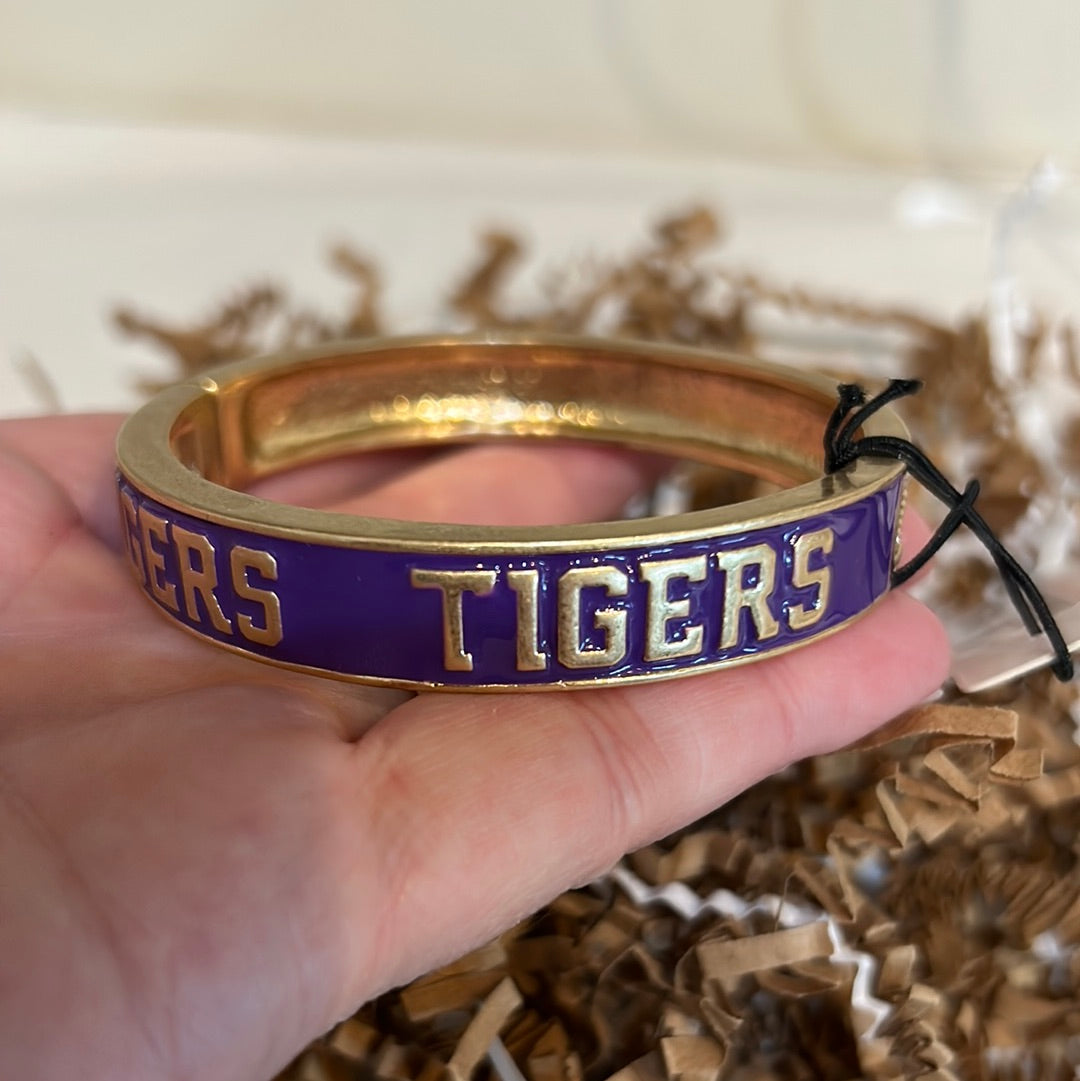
909	907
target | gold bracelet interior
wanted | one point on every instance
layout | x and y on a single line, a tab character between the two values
712	410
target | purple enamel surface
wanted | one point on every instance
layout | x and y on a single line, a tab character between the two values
355	611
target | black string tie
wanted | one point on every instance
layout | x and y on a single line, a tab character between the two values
841	449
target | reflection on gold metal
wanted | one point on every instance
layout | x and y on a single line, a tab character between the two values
802	577
453	585
241	560
612	621
661	609
526	584
202	581
129	518
257	417
151	526
755	598
898	526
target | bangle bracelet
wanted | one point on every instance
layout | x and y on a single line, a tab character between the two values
431	605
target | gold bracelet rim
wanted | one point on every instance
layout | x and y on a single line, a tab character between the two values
146	458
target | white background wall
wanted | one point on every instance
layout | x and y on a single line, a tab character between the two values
961	84
166	154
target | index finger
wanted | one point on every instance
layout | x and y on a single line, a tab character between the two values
486	807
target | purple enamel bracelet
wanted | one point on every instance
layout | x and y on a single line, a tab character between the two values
452	607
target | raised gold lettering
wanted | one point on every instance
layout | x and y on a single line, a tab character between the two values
662	609
738	595
453	585
150	526
612	621
526	584
801	616
202	581
242	560
129	515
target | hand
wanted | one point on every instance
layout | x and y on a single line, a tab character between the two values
206	861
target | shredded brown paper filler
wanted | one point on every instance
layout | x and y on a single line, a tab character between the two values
908	907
